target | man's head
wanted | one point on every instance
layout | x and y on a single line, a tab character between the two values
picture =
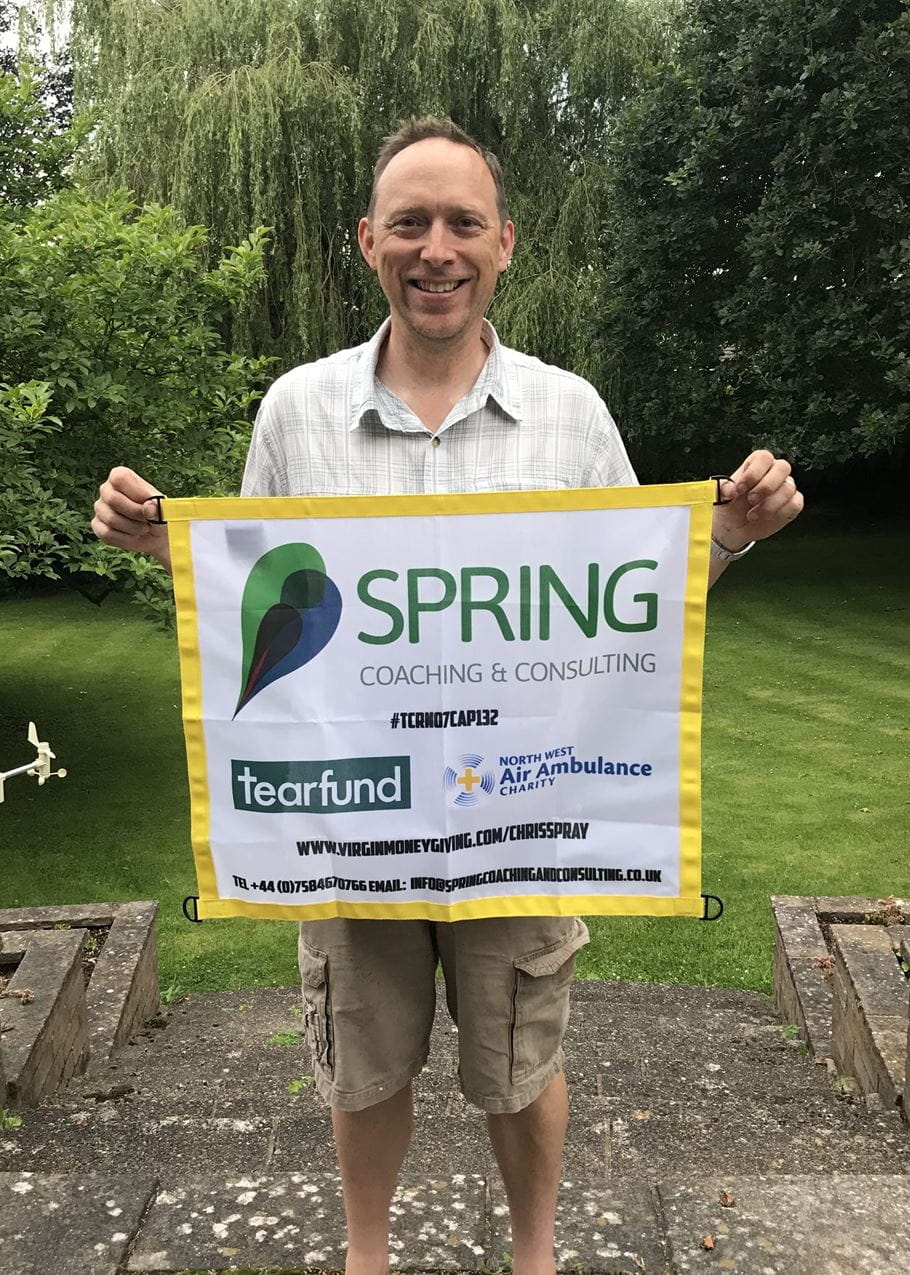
426	128
437	231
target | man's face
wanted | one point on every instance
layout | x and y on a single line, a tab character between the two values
435	239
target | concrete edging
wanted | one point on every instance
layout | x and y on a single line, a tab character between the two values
870	1018
45	1029
38	1052
845	991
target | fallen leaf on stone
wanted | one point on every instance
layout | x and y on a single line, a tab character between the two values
707	1241
642	1115
727	1199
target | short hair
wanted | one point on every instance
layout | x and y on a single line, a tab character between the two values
420	129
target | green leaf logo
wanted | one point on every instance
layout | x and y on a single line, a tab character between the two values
290	611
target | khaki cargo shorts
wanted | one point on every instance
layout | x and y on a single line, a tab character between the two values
369	992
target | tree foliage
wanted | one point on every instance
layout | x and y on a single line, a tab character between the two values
757	290
248	112
711	197
34	152
36	105
110	350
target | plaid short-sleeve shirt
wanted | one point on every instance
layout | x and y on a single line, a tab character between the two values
331	428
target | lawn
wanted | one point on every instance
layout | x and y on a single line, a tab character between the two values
806	727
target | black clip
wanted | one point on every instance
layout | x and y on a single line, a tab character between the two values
159	521
194	900
706	915
718	479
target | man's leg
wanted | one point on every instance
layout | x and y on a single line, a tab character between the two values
507	987
371	1146
528	1146
369	991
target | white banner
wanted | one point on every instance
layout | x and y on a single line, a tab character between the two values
444	707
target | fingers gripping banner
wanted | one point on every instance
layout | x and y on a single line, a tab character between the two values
444	707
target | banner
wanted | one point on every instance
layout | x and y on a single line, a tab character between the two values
444	707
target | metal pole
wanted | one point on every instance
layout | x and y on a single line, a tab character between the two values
20	770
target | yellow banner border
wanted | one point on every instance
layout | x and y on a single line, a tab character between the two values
238	508
698	495
467	910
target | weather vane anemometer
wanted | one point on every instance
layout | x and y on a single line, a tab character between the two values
40	767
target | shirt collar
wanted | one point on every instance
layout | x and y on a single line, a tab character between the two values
496	380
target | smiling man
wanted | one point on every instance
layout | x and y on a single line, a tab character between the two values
434	403
438	236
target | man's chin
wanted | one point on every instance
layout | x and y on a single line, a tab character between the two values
443	330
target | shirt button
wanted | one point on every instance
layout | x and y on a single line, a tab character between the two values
436	440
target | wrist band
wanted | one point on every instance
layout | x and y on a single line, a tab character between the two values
723	554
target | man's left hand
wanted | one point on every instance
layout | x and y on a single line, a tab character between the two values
764	499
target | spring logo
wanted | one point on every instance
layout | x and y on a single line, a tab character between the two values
289	612
469	782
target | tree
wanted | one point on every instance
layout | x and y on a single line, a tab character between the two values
109	342
756	285
241	112
37	135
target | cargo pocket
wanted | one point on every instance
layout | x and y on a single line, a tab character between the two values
314	982
540	1002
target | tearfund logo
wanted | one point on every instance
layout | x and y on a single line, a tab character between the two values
290	610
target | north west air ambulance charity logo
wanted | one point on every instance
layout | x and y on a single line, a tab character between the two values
289	612
469	782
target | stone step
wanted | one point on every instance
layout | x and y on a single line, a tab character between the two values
668	1081
114	1224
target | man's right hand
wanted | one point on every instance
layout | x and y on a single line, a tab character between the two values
122	516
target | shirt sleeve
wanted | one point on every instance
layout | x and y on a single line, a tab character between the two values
266	468
610	465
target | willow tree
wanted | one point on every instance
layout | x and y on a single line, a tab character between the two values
248	112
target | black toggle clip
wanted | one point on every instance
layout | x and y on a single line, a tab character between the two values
159	521
718	479
707	915
192	899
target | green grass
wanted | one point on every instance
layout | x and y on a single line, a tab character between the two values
806	733
103	688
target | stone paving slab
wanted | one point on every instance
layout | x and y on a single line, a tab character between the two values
68	1222
136	1136
833	1224
284	1221
836	1225
736	1131
710	1066
613	1230
451	1134
303	1143
662	1074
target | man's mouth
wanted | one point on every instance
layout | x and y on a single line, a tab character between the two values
425	285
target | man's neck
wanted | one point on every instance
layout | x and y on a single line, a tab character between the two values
418	370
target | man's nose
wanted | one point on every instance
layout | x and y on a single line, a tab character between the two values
438	247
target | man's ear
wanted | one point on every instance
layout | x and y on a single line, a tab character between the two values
366	242
506	245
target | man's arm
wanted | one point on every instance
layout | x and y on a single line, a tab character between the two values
764	498
123	512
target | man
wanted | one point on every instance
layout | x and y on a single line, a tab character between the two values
435	403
